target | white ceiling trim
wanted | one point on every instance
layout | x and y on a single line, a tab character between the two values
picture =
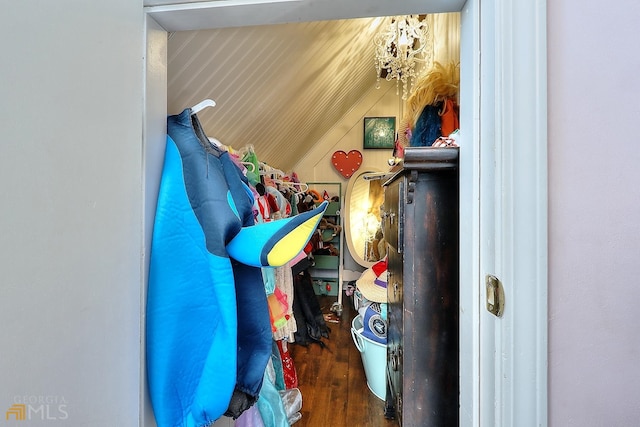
182	16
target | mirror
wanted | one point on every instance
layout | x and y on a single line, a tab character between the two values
363	201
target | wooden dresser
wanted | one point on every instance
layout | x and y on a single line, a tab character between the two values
421	225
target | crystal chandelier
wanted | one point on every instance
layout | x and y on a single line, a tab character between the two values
401	50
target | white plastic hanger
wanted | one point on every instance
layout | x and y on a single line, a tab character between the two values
215	142
296	187
265	169
202	105
250	166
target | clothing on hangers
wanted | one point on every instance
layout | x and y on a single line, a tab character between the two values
449	117
428	127
253	174
207	320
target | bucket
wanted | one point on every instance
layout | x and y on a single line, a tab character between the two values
374	359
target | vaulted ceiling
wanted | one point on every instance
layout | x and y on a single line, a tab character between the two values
278	87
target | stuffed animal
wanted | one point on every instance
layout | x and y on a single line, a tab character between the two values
326	224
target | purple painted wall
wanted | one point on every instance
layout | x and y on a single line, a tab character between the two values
594	213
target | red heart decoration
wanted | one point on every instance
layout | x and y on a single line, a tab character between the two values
346	163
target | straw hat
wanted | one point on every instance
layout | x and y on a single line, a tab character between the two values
373	282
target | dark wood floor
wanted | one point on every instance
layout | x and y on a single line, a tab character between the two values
332	379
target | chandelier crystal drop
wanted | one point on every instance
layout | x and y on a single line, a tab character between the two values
402	49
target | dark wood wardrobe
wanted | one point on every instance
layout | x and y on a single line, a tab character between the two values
421	226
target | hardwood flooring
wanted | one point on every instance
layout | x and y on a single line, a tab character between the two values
332	379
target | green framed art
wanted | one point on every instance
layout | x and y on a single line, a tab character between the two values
379	132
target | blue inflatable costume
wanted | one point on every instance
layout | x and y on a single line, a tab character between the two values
207	323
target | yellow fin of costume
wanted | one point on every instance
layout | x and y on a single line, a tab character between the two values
273	244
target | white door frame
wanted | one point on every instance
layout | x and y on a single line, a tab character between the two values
503	362
513	212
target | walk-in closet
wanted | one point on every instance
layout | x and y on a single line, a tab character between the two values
295	107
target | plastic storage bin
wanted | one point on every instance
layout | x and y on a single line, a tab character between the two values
374	359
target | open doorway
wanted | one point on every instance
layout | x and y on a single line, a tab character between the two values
195	43
281	88
481	125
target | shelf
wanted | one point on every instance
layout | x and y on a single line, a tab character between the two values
328	262
333	209
327	271
329	237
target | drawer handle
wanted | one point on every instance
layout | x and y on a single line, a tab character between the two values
394	361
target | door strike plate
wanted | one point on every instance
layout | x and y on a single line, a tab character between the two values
495	295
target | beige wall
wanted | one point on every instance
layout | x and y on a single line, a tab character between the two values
347	135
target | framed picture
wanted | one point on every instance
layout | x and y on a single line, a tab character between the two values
379	132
